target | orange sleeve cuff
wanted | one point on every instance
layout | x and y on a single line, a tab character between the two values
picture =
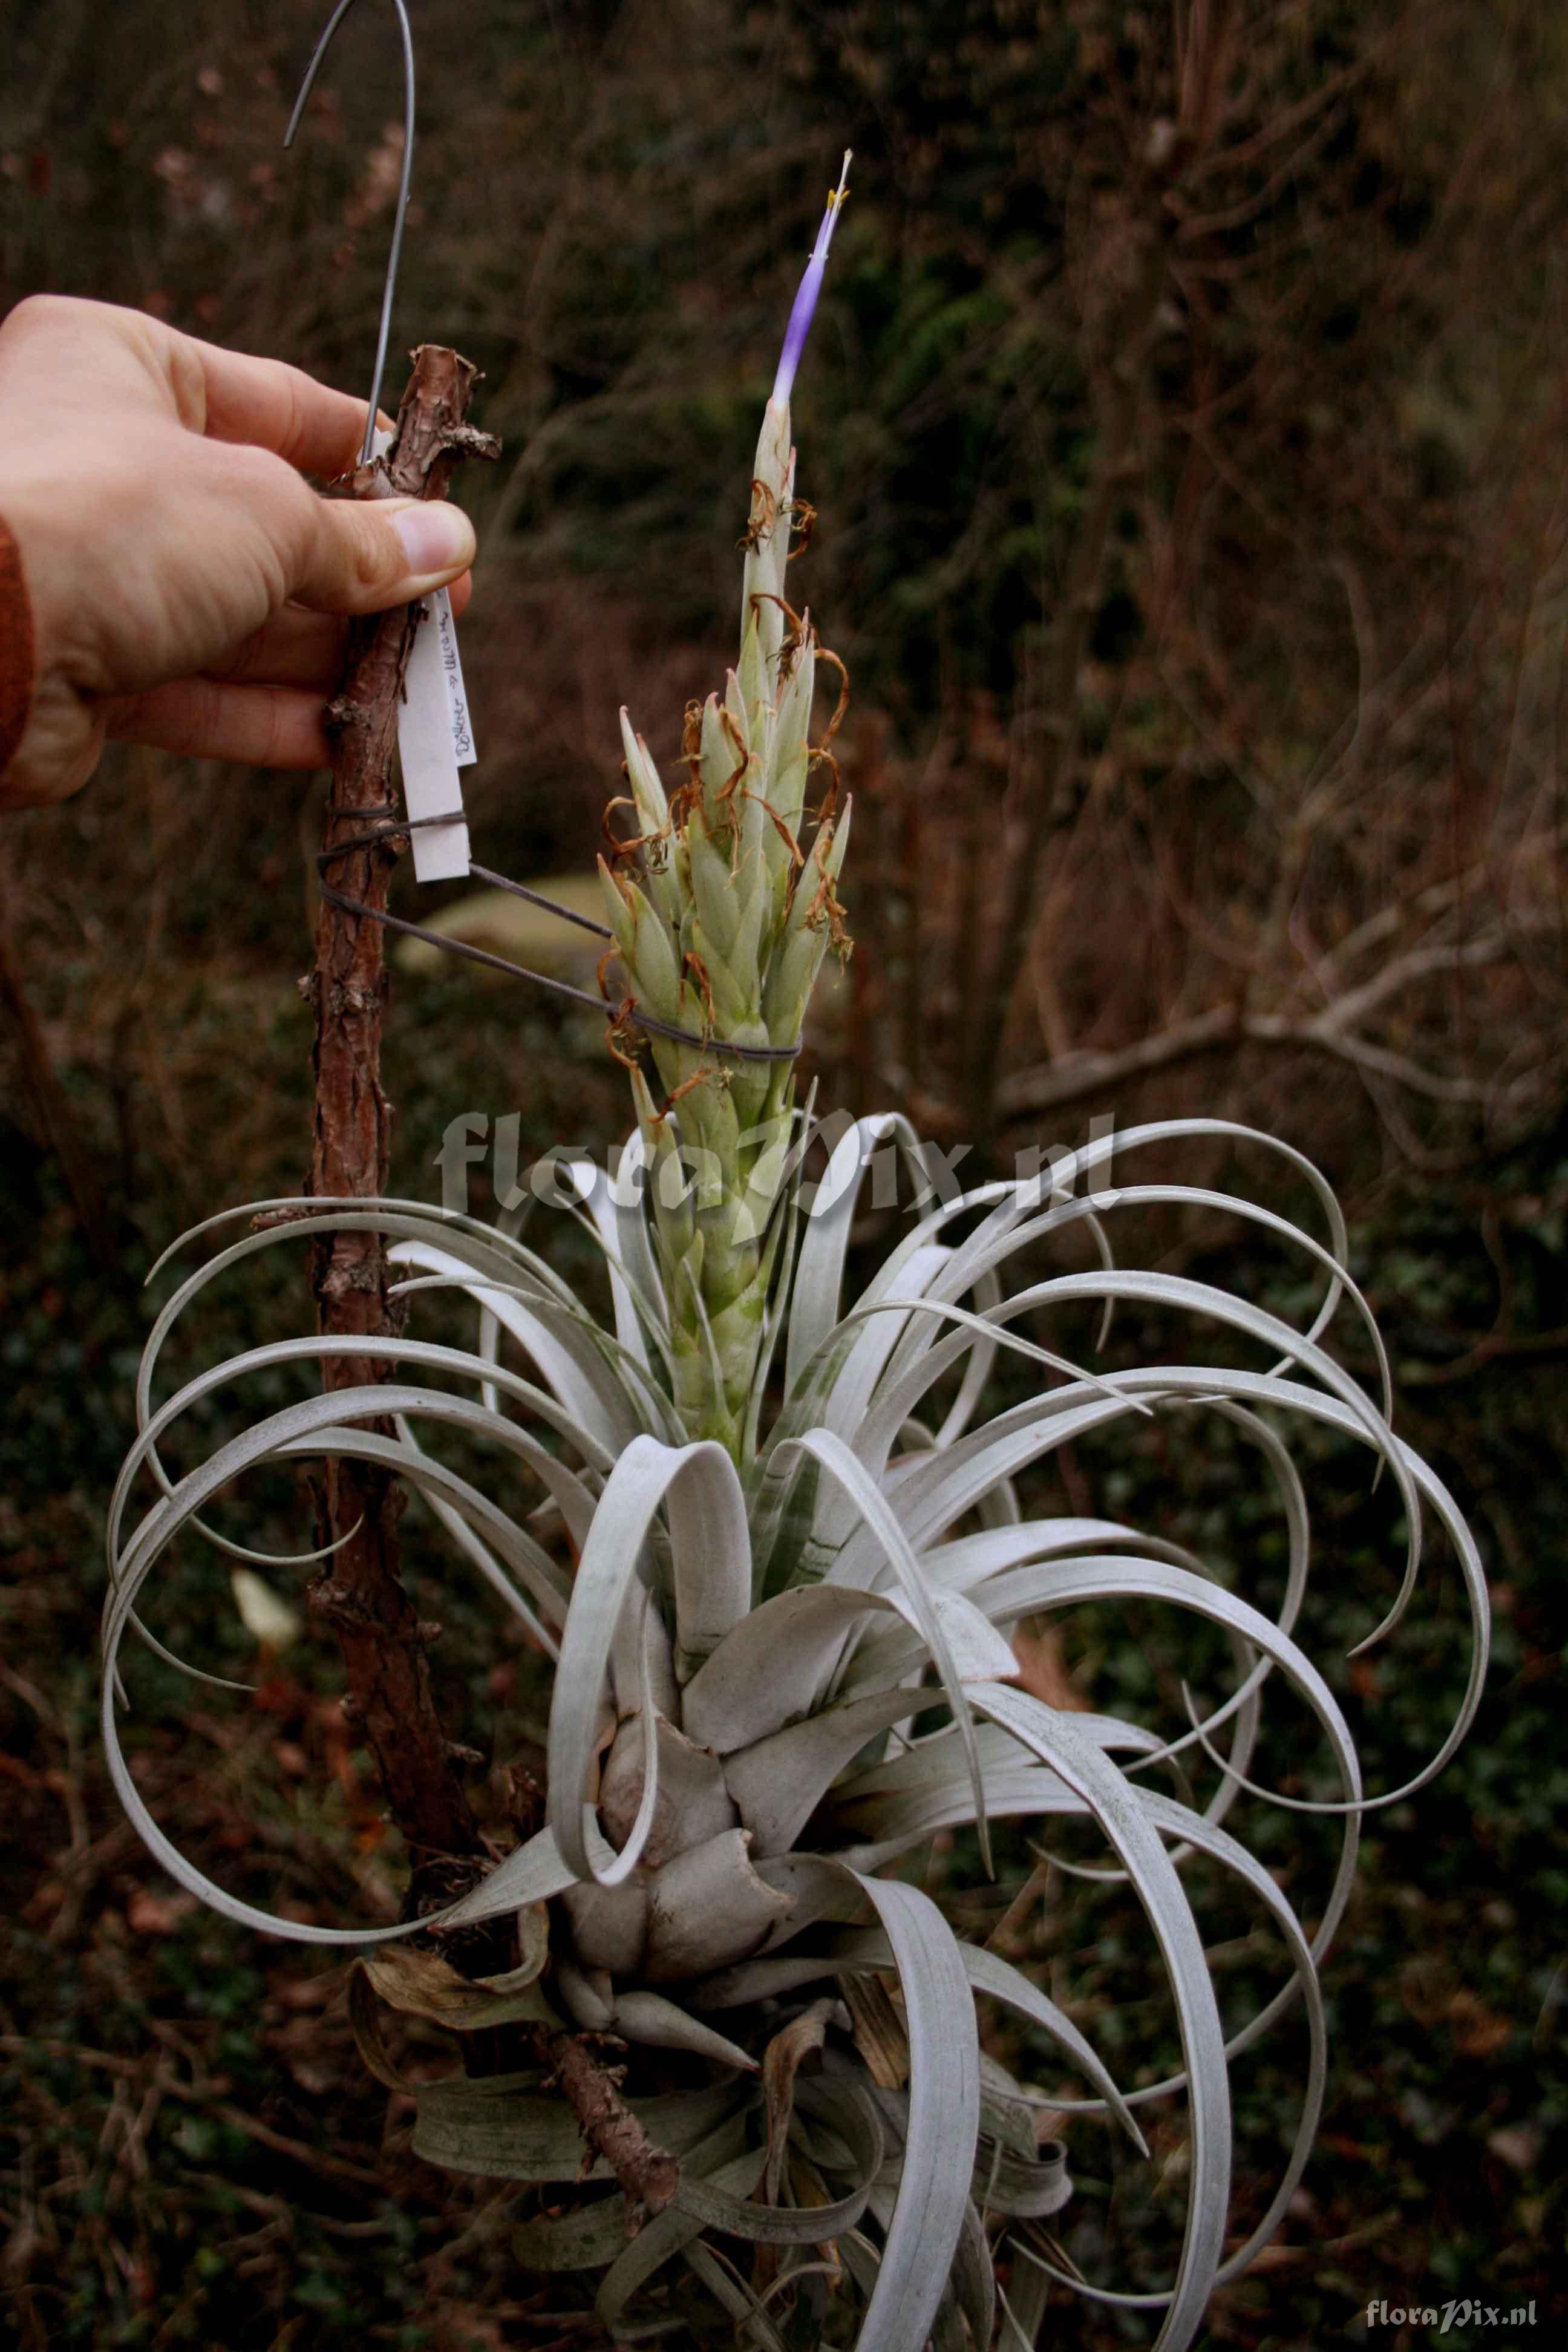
16	648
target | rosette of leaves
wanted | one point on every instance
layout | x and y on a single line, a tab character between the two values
775	1679
791	1545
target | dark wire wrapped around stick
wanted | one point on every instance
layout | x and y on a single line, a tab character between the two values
387	831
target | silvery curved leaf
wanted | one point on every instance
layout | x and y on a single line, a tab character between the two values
734	2168
636	1486
587	1387
932	2199
1120	1810
887	1543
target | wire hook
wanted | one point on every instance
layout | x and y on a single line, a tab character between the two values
322	46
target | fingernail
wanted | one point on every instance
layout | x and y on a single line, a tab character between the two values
435	539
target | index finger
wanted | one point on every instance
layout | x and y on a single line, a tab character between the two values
99	354
278	407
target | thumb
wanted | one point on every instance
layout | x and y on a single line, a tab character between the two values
366	555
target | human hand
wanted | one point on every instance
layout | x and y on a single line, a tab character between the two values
185	581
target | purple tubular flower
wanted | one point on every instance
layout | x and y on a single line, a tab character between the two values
800	316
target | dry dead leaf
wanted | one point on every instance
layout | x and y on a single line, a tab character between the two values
1042	1670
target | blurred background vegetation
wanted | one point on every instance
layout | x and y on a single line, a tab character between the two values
1185	416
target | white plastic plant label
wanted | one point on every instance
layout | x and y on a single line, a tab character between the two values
435	737
428	751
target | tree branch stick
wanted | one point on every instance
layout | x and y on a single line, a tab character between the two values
650	2176
361	1595
1083	1073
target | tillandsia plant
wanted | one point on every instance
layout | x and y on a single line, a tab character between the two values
792	1550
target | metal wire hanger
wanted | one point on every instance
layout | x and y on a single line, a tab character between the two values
405	180
389	824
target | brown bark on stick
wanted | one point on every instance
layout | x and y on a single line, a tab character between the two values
649	2175
361	1595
